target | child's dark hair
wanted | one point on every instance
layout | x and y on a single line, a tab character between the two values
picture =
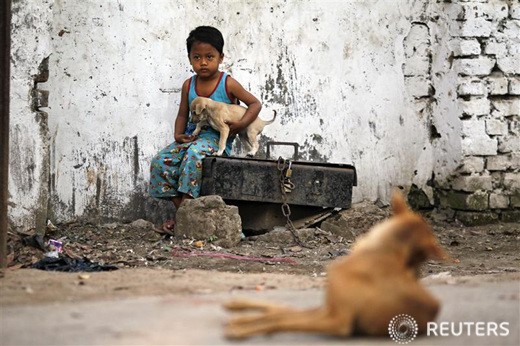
206	34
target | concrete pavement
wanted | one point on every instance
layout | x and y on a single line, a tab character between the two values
197	319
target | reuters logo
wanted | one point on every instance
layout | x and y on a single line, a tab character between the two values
402	329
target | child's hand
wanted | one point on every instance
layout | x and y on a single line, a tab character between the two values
234	127
183	138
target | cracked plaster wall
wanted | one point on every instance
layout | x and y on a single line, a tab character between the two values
365	82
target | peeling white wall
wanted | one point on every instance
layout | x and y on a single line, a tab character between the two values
334	71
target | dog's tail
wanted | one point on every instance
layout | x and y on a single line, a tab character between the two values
267	122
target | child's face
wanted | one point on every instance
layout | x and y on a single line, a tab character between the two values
205	59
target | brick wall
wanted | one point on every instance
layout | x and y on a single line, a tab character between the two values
485	37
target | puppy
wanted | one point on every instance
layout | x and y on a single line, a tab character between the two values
205	111
365	289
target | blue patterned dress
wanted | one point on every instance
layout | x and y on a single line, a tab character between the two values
177	169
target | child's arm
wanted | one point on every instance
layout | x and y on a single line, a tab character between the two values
253	106
182	116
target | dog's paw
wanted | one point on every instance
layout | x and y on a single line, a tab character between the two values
250	156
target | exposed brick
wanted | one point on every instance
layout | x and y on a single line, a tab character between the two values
497	85
469	218
478	27
480	66
510	29
514	126
514	85
475	106
479	146
496	127
488	11
498	163
510	216
471	164
513	47
472	183
493	47
515	160
464	201
466	47
509	64
506	107
508	144
471	87
515	199
498	201
512	181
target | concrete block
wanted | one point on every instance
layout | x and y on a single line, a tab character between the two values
510	216
471	87
484	10
509	64
479	146
480	66
515	160
472	183
512	181
494	47
514	85
472	164
463	47
513	47
418	86
497	85
509	144
510	29
478	27
496	127
498	163
208	218
475	218
498	201
467	201
515	199
475	106
506	107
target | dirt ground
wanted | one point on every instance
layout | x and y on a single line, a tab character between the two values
151	263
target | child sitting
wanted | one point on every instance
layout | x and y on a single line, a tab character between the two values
176	171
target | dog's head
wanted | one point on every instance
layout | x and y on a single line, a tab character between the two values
407	233
199	109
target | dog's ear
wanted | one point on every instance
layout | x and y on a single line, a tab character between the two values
398	203
199	107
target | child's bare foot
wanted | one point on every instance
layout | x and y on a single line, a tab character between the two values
167	227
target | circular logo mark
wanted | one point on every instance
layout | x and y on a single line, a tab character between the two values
402	329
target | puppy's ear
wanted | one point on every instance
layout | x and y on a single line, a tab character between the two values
199	107
398	203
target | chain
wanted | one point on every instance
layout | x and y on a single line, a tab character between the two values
286	186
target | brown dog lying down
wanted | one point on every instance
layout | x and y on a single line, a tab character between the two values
205	111
365	289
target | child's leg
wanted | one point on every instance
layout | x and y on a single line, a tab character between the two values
191	167
165	171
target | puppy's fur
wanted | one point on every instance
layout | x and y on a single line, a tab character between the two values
365	289
205	111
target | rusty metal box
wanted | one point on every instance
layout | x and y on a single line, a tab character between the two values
250	179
